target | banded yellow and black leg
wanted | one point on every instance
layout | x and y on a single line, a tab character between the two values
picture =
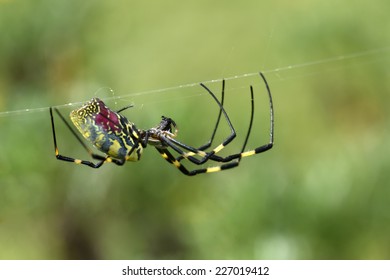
200	152
172	160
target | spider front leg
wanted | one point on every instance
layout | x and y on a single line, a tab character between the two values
210	141
205	156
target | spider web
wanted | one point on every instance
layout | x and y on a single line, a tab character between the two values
314	67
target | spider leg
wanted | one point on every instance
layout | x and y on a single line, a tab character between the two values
208	144
214	157
210	141
166	154
200	151
270	144
124	108
102	159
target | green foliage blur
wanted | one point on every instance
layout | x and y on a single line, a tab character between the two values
322	192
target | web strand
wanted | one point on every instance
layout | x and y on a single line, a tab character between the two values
275	71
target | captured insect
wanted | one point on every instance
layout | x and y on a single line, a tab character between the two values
120	140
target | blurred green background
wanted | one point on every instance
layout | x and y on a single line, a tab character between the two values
323	192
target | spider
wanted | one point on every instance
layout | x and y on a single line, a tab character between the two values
120	140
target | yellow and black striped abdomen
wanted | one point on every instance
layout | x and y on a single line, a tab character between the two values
108	131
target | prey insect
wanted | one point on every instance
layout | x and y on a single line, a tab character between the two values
120	140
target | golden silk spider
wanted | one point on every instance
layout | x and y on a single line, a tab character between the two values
120	140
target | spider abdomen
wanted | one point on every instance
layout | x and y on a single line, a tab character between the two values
107	130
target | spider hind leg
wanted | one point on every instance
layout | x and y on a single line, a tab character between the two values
101	159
